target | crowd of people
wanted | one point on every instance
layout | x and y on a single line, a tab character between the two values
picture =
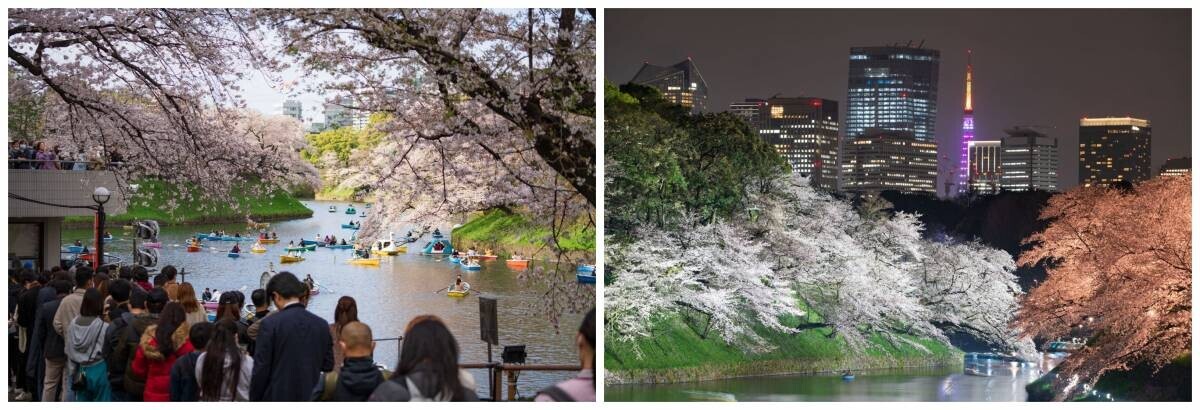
112	335
42	155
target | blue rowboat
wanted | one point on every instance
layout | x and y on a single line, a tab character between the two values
587	269
307	242
233	255
472	267
585	278
74	249
350	226
346	246
455	259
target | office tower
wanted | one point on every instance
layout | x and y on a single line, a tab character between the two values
983	166
885	160
1176	167
748	110
294	109
1113	149
892	88
803	130
337	115
962	178
680	83
1028	161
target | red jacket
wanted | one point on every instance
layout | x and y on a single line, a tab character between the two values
151	365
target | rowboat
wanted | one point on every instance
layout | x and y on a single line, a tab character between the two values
350	210
350	226
517	263
107	239
267	241
586	269
365	261
290	258
471	266
585	277
258	248
458	293
307	242
332	208
154	245
384	247
402	249
74	249
300	248
346	246
455	259
368	205
210	305
234	255
193	248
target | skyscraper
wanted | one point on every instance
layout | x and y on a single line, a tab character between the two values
294	109
893	88
968	133
680	83
1113	149
804	130
1028	161
882	160
983	166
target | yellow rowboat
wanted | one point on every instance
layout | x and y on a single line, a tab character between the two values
402	249
290	259
456	294
268	241
384	253
365	261
257	248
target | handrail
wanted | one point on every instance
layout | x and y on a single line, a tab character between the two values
64	165
513	369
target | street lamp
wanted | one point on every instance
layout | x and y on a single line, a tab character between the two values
101	196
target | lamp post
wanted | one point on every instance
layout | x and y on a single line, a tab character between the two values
101	196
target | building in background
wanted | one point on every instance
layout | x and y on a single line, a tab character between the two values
1028	161
1114	149
1176	167
680	83
748	110
962	177
803	130
983	166
885	160
294	109
892	88
337	115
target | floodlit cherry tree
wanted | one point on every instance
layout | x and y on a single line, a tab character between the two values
1121	270
155	89
488	107
863	274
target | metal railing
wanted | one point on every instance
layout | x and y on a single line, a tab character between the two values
63	165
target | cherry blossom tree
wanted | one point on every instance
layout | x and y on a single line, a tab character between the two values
488	107
155	88
1121	270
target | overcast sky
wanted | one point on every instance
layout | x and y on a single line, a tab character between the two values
1032	67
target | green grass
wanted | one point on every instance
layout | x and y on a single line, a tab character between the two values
335	193
150	199
504	229
675	344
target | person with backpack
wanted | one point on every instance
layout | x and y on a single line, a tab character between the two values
129	337
293	345
183	373
86	368
223	371
428	368
583	386
162	344
358	376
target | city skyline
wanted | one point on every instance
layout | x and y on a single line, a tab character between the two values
1045	68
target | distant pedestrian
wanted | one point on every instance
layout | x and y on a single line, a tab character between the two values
428	368
223	371
293	346
583	386
160	346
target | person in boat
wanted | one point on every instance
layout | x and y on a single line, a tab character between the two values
343	242
107	234
516	256
237	235
458	284
78	243
308	281
207	295
236	249
274	235
470	252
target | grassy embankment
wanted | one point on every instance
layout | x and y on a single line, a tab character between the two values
678	353
150	199
504	231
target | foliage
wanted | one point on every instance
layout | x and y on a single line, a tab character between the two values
663	163
151	195
1122	271
25	106
502	228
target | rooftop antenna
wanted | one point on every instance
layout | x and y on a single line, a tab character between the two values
909	44
922	45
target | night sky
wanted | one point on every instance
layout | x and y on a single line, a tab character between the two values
1032	67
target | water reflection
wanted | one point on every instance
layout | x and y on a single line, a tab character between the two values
388	296
980	379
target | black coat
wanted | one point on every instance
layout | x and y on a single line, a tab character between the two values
357	379
293	348
183	378
52	343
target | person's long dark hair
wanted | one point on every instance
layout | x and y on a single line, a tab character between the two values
345	312
588	330
430	347
171	318
228	307
221	346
